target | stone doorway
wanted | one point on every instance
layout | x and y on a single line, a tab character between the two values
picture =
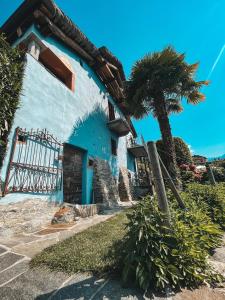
72	174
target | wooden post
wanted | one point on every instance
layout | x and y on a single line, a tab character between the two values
210	174
158	182
0	187
150	171
171	183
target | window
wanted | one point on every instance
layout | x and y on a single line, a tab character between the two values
113	147
90	162
57	68
111	111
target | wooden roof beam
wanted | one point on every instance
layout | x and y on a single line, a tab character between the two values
41	18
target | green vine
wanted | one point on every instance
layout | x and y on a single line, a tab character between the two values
11	76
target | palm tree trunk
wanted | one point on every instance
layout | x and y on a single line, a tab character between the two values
167	139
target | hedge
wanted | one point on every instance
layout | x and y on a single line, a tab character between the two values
11	76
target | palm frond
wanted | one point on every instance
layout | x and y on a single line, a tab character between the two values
173	106
195	97
163	73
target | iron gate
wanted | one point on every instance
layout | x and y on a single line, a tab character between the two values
35	163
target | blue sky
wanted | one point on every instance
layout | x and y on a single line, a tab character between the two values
132	28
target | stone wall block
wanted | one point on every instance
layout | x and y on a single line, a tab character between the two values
125	185
105	187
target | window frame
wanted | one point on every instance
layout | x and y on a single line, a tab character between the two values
57	68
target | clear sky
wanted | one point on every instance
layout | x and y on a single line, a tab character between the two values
131	28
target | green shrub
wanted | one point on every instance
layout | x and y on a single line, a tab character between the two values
219	163
219	174
157	257
214	199
206	233
187	177
11	75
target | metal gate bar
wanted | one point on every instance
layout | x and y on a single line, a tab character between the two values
34	164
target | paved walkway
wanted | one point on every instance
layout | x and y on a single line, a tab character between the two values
29	244
19	282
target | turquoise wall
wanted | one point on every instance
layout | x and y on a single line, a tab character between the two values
78	117
131	165
89	184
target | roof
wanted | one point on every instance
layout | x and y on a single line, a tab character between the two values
51	21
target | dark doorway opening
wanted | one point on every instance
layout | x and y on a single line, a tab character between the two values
72	174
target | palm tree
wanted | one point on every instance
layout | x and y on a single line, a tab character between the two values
157	85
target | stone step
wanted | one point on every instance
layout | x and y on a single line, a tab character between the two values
13	272
80	286
8	259
33	284
12	241
35	247
2	250
113	290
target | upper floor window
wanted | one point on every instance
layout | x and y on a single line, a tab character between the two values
57	67
111	111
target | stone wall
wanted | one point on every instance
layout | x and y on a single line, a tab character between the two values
125	185
107	191
104	185
68	213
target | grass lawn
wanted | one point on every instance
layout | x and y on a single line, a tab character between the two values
92	250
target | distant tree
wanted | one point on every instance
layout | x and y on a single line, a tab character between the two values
183	153
218	172
219	163
157	84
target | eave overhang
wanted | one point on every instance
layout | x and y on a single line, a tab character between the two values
137	151
119	126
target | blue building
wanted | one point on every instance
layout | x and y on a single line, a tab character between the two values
69	140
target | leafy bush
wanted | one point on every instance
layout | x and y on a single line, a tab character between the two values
187	177
214	199
157	257
219	163
11	74
206	233
189	174
219	174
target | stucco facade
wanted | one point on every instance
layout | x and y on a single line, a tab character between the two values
78	117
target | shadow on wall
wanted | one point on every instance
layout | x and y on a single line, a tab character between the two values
91	133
